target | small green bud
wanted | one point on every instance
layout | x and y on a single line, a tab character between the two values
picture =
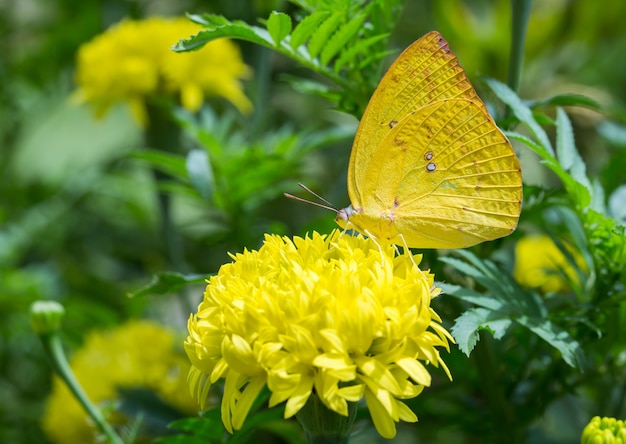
46	316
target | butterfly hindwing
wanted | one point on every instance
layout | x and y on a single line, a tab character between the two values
444	177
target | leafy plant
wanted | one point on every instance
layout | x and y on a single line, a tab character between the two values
344	42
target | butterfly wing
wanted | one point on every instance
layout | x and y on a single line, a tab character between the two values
443	177
425	72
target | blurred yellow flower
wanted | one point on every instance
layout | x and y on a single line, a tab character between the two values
139	355
604	431
133	61
326	315
540	264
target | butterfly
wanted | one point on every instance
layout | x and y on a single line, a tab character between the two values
429	168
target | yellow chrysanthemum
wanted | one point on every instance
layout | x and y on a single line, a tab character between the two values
138	354
325	315
604	431
540	264
133	61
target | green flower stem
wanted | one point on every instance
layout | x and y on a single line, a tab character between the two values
262	78
492	384
54	349
520	16
324	426
164	135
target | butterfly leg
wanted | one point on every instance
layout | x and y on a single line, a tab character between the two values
406	248
408	251
369	235
380	248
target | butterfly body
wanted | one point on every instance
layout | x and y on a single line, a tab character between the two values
429	167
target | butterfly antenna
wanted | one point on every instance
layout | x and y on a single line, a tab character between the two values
328	205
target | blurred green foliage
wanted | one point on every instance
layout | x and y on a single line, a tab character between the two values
79	219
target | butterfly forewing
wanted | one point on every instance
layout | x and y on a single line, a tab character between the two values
425	72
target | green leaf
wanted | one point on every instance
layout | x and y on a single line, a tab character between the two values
322	34
340	38
566	100
565	146
579	192
361	46
558	338
614	132
598	196
168	282
171	164
537	148
617	204
521	111
471	296
306	86
567	217
511	304
279	26
467	326
487	274
306	27
208	20
220	27
200	172
202	430
568	155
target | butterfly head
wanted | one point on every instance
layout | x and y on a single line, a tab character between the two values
343	216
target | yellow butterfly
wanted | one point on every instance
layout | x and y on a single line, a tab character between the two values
429	167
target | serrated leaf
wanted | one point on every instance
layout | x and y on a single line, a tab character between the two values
367	61
471	296
171	164
306	86
483	272
340	38
467	326
322	34
537	148
576	231
234	30
617	204
208	20
168	282
614	132
566	100
200	172
521	111
306	27
525	308
566	147
561	340
279	26
201	430
579	192
598	196
359	47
